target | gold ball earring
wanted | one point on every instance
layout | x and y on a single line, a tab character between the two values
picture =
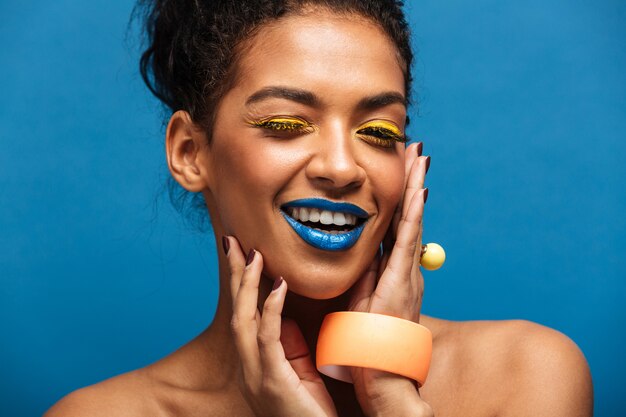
432	256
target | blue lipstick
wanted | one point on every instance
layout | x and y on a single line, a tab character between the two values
320	239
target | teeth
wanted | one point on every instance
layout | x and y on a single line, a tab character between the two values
314	215
339	219
304	214
326	217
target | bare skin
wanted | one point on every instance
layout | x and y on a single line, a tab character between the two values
503	368
470	362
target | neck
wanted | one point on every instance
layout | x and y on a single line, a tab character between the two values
306	312
310	313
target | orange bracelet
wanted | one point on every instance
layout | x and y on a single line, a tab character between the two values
377	341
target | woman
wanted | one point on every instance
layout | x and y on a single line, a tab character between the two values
289	120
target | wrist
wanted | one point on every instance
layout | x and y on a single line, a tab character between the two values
407	407
392	395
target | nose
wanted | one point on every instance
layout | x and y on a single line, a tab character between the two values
333	165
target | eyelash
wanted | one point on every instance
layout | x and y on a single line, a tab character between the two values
284	126
381	136
374	135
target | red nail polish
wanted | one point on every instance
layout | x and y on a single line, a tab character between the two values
250	257
277	283
420	146
225	244
427	163
425	195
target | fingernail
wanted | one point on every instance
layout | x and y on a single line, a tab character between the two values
250	257
427	163
225	244
419	148
277	283
425	195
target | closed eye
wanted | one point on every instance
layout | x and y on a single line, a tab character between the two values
284	125
380	135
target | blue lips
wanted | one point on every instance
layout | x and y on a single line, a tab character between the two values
322	240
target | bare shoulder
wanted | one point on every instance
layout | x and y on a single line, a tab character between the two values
125	395
550	371
518	367
155	391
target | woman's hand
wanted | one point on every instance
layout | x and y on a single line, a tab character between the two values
277	379
394	285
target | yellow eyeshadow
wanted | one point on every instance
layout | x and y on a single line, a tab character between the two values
382	124
278	122
283	120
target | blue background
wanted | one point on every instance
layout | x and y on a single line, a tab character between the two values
522	107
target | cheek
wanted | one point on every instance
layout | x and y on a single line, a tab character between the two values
248	175
387	179
256	166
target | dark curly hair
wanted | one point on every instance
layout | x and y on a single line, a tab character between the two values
192	46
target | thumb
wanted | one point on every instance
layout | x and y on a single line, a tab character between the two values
297	352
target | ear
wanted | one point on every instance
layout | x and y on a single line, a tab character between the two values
184	143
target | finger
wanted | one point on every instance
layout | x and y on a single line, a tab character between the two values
297	352
246	317
248	293
415	180
365	286
417	280
418	242
272	356
236	264
412	152
403	256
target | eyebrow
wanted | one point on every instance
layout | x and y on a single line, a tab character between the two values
293	94
308	98
381	100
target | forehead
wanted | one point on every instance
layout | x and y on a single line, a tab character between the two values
321	52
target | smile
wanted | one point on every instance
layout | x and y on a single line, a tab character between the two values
325	224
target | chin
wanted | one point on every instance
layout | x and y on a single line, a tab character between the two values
316	292
318	282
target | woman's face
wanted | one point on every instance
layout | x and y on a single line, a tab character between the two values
310	122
